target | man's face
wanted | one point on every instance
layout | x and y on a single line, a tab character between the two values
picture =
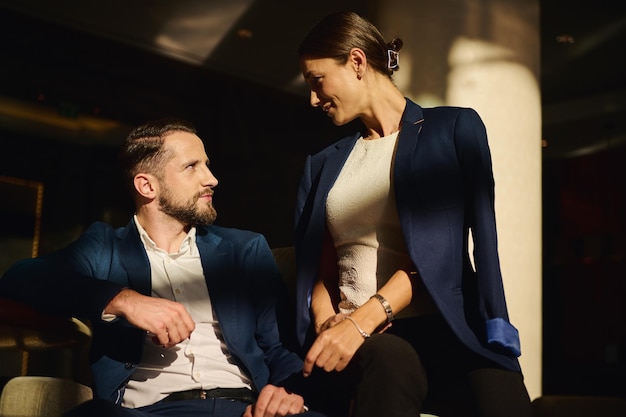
186	189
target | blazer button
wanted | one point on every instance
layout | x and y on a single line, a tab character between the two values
128	365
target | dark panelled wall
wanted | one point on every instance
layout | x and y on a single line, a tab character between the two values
257	139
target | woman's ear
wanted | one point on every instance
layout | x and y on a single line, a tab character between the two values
145	185
358	60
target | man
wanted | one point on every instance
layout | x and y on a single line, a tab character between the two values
183	311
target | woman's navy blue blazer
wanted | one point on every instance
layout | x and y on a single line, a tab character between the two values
444	187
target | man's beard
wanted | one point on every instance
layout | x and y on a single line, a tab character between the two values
187	213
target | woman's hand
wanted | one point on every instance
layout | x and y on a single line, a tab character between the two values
334	347
338	339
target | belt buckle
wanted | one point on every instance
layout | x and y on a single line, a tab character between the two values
202	394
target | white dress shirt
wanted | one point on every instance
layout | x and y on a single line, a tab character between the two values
202	361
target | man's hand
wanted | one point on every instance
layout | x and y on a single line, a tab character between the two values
275	401
168	320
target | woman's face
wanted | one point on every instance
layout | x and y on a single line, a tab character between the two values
334	87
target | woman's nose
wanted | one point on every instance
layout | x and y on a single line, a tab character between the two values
315	101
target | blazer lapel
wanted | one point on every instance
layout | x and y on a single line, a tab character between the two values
411	126
217	257
332	168
135	260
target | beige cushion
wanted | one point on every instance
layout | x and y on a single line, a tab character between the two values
41	396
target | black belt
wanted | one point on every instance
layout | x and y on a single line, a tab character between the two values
238	394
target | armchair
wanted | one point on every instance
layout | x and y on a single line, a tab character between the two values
41	396
26	331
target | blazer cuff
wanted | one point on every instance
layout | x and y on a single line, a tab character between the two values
503	336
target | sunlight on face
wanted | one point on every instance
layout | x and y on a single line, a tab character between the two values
186	189
191	211
334	88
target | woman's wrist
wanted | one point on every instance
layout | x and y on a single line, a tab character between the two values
363	333
385	305
370	316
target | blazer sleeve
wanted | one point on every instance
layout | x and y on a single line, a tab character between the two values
475	158
282	362
63	282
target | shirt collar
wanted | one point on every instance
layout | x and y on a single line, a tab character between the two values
149	244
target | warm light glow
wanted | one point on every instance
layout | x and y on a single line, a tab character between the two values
196	29
485	55
506	94
25	116
565	39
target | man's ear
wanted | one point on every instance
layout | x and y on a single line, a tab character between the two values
145	185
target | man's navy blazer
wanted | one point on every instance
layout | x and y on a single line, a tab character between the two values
80	280
444	186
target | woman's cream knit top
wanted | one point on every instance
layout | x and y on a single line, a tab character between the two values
363	221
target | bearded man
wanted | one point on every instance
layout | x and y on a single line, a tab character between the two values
183	311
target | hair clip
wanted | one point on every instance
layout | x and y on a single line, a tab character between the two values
393	58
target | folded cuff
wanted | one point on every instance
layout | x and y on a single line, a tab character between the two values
502	335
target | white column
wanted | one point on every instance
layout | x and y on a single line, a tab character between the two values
485	55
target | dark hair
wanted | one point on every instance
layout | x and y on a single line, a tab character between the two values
143	149
336	34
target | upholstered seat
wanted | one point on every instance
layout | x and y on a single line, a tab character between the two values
41	396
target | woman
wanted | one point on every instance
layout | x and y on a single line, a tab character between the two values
392	313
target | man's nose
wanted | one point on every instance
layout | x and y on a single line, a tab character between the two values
210	179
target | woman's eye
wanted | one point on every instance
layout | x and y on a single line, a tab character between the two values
314	80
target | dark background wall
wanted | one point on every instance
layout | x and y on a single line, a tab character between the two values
256	138
584	280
